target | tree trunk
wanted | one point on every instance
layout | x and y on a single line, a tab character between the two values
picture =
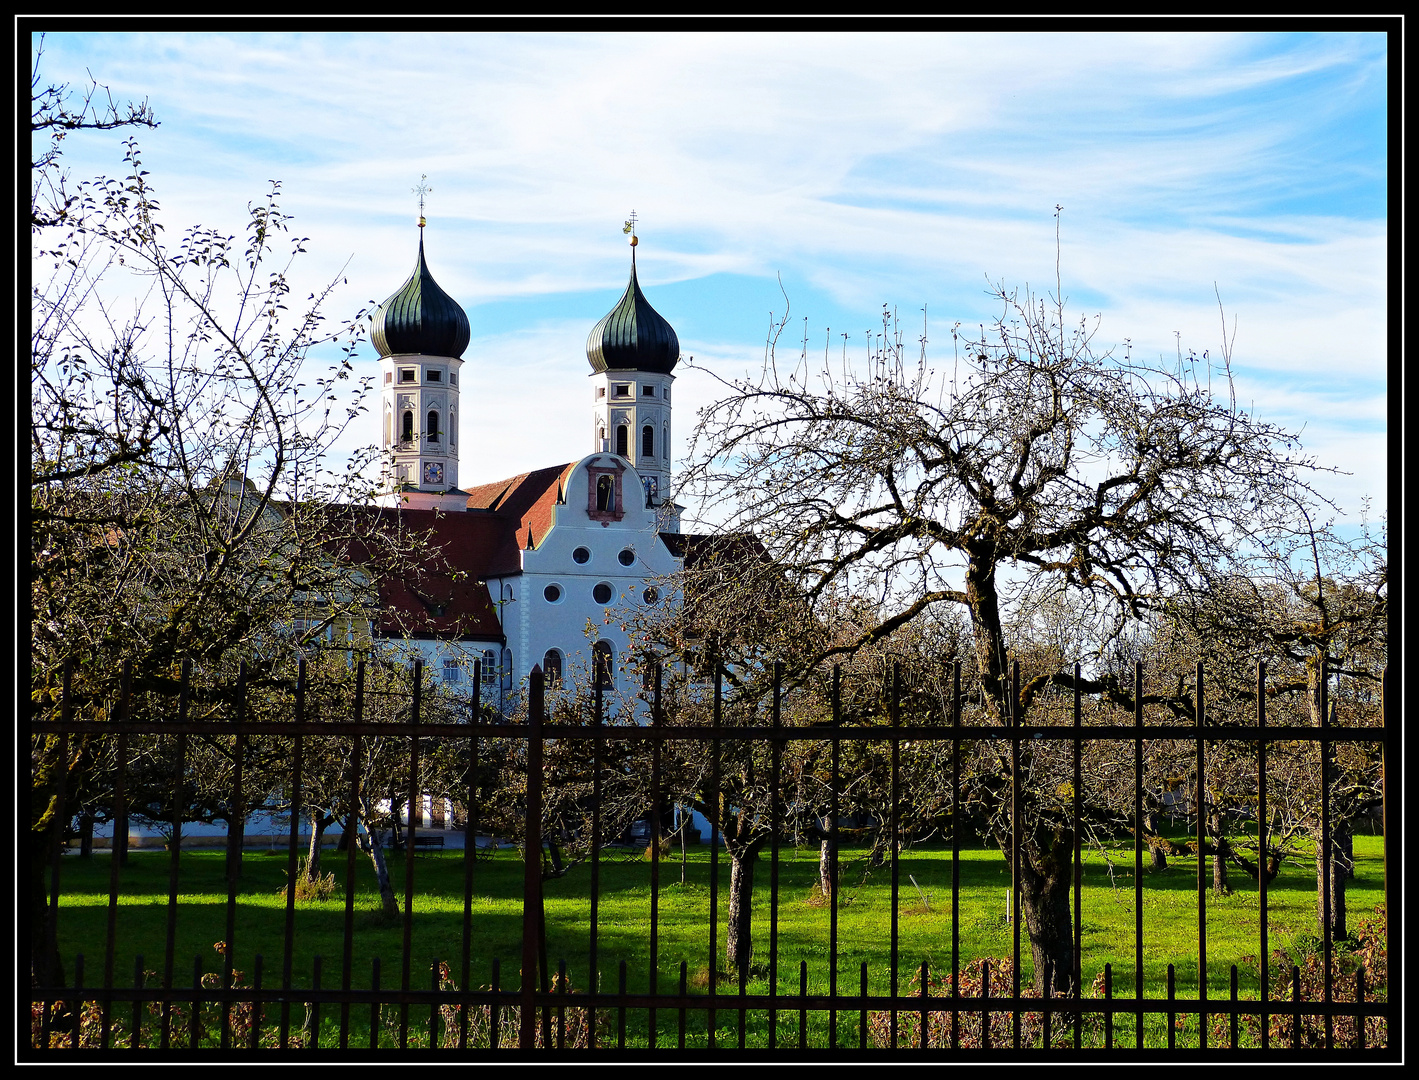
739	939
1220	851
1342	867
1156	852
1045	877
825	867
372	846
318	822
86	835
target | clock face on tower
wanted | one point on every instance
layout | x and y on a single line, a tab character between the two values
433	472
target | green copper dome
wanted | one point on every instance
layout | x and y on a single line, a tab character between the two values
420	318
633	336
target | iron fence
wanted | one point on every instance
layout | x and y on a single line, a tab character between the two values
526	1005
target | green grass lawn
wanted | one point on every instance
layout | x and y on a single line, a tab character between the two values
1169	899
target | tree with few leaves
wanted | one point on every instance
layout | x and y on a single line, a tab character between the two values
1030	459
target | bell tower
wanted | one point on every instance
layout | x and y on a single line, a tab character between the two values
633	351
420	332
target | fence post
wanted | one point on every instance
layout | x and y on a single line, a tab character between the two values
532	866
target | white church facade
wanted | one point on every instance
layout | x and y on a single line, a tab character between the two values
537	567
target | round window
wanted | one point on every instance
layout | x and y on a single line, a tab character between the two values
651	594
553	593
602	593
626	557
581	555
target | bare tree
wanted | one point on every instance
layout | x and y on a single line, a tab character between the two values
1030	457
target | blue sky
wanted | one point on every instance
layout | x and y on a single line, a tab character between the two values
862	169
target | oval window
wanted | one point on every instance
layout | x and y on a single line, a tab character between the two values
602	593
626	557
651	594
553	593
581	555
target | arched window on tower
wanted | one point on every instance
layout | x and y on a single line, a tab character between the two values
407	435
623	439
388	427
648	441
452	427
433	425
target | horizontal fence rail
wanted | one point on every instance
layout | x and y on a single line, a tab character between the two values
524	996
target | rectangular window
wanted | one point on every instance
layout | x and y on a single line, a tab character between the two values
452	673
601	391
435	375
406	374
622	389
388	377
647	391
452	378
490	668
667	393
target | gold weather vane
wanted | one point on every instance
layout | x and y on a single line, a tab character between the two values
631	227
422	190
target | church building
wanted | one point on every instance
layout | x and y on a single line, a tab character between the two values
535	567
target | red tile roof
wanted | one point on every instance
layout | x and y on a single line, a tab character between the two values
529	497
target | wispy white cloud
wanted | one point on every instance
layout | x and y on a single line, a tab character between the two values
864	168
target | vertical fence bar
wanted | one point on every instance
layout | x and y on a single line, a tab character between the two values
117	846
1296	1001
714	802
1262	859
415	803
1234	1006
374	1003
834	810
174	860
862	1012
434	1006
1108	1006
621	1006
802	1005
1078	808
136	1039
985	1005
470	853
956	821
1172	1009
657	819
593	962
896	721
1393	829
1327	855
235	840
684	981
925	1008
532	866
76	1006
494	1032
1012	697
49	972
1200	714
1138	852
289	953
314	1043
352	826
775	815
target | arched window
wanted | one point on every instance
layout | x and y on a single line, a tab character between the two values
603	665
552	667
433	426
452	427
388	427
623	440
408	434
490	667
507	671
647	441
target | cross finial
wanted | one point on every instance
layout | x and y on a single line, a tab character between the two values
422	190
631	227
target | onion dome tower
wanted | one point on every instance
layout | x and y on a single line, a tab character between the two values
421	332
633	352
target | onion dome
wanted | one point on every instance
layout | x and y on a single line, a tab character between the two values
420	318
633	336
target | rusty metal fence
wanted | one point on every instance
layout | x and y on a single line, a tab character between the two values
528	1006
